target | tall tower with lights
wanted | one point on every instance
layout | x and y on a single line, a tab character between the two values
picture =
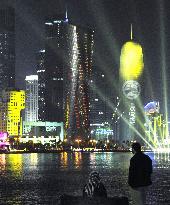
131	68
41	84
31	109
68	64
56	54
77	107
7	48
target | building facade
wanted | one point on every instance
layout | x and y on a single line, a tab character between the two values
131	70
7	48
77	103
13	102
43	130
56	46
31	107
41	85
68	66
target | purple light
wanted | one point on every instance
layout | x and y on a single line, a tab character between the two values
3	135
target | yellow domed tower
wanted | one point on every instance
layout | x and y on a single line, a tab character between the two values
131	69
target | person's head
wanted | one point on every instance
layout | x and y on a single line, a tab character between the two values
136	147
94	177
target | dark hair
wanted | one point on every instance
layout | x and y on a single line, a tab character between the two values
94	174
136	146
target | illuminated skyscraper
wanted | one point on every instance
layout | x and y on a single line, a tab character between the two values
41	85
100	93
31	108
68	59
13	102
101	96
77	108
7	48
56	47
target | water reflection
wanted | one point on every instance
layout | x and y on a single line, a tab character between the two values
64	159
34	159
2	162
109	160
162	156
41	178
77	159
93	158
15	164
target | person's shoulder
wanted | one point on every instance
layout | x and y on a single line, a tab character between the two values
138	155
147	157
133	157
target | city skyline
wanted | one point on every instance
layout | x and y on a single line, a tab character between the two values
112	30
112	27
84	99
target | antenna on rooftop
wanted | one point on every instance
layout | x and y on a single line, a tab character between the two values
66	14
131	32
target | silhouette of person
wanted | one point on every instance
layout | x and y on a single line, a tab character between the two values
140	171
94	186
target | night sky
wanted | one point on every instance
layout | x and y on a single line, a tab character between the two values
111	21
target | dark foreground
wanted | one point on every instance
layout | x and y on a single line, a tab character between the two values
79	200
40	178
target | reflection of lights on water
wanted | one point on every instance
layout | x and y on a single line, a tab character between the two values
64	158
108	156
2	161
162	155
162	150
78	159
34	159
104	159
15	161
93	157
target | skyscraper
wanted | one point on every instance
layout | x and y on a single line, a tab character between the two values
41	85
68	59
102	98
77	93
31	107
7	48
100	112
55	48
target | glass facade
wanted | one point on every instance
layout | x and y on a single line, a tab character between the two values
77	108
41	84
7	48
56	50
68	64
31	110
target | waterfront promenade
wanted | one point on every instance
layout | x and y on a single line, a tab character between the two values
40	178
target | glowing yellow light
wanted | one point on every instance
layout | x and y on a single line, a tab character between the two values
64	158
34	159
78	159
2	162
16	161
131	61
11	109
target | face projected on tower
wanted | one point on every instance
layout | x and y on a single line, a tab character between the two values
131	89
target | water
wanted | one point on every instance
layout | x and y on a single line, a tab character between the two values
41	178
